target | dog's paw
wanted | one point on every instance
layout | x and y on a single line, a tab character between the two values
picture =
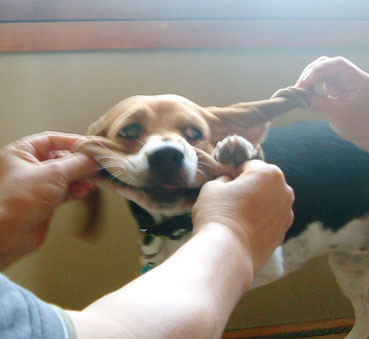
234	150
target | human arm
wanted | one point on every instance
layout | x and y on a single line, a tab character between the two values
237	226
345	98
37	174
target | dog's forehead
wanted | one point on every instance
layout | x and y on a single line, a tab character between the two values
157	106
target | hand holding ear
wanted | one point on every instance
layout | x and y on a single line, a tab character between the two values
37	174
345	101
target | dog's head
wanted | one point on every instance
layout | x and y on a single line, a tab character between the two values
156	150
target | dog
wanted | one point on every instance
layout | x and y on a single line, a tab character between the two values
158	151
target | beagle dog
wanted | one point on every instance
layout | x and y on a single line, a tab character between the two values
157	151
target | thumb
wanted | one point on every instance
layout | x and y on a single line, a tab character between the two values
222	178
77	166
325	105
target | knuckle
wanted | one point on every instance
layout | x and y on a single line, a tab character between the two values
339	60
291	193
275	173
290	219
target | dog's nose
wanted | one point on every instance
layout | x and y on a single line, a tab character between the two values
166	160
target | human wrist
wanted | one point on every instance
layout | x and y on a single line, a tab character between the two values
232	247
6	257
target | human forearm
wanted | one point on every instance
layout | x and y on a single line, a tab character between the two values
191	295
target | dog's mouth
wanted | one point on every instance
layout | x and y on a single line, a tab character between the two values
162	195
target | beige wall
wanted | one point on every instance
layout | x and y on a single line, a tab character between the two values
67	91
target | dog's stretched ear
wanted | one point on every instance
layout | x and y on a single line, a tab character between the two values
250	119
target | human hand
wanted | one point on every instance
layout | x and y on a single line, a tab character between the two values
345	101
37	174
256	206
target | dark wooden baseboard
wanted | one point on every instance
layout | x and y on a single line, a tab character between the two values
299	330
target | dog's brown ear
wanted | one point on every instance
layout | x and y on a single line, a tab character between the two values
249	119
99	127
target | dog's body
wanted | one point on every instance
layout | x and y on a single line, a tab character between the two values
159	161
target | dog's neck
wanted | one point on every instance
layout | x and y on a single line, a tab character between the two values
173	228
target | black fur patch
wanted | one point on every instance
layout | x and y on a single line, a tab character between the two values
328	174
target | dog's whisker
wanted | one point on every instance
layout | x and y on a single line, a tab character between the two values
201	142
201	156
105	156
202	173
107	148
205	164
111	165
119	174
99	158
140	142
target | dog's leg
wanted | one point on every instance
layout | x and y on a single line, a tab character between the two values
352	274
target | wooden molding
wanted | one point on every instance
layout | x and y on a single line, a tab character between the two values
112	35
82	10
59	25
279	330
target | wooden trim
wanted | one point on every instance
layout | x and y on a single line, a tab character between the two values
288	328
57	36
59	25
81	10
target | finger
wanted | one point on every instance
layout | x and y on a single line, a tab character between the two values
252	165
76	166
315	62
308	68
223	178
325	105
249	167
43	143
321	71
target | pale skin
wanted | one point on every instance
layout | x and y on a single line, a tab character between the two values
34	180
345	98
192	294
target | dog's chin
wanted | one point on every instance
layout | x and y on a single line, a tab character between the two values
156	199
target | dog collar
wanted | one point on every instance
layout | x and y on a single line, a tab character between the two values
173	228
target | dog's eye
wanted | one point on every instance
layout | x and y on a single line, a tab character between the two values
192	133
131	131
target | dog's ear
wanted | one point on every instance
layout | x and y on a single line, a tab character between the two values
99	127
234	120
250	119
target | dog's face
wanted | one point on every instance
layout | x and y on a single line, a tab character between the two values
154	161
156	150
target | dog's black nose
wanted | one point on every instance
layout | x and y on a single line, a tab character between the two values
166	160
